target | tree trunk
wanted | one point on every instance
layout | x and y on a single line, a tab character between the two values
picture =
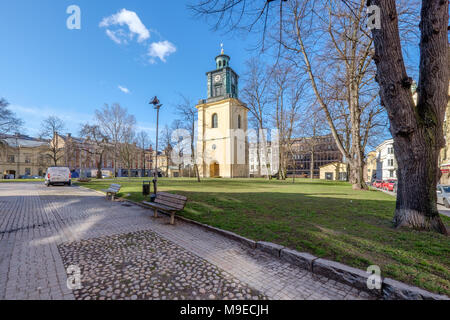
99	167
416	129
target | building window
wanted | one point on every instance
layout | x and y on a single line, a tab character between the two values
27	158
215	121
28	171
239	121
11	159
390	162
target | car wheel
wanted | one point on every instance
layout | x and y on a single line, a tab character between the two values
446	204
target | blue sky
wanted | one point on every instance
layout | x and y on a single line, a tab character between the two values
47	69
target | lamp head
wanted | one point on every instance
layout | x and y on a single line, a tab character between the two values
154	101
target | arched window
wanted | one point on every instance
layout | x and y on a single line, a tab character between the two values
220	64
215	120
239	122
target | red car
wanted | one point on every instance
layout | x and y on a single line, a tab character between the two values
378	183
389	185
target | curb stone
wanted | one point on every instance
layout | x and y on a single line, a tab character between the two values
340	272
390	290
269	247
302	259
395	290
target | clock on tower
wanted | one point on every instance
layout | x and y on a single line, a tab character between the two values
223	82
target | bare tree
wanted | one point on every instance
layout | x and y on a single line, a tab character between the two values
166	139
144	143
51	127
257	79
186	109
8	120
127	148
417	129
95	143
115	122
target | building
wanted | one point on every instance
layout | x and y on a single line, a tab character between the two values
334	171
22	155
82	157
222	146
371	166
312	152
386	162
257	160
444	158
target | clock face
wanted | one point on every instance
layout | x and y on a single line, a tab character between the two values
217	78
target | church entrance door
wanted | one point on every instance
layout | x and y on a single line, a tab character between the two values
214	170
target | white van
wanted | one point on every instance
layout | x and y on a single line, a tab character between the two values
58	175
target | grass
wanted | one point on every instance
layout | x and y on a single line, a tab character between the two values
327	219
21	180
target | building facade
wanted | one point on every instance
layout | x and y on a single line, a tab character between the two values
22	155
258	165
312	153
83	159
334	171
386	162
371	166
222	146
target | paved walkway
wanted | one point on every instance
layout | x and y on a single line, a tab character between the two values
125	253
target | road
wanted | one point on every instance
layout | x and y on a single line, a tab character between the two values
442	210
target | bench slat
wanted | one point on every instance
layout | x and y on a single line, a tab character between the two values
159	206
170	204
172	200
171	195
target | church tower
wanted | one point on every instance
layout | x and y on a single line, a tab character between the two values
222	146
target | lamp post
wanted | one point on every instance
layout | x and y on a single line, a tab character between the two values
157	105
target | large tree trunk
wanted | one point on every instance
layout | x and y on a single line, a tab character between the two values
417	129
99	167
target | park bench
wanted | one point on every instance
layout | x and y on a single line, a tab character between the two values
167	202
112	190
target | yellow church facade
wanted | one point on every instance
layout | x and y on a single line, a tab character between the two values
222	145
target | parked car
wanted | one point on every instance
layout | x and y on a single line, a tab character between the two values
443	195
58	175
378	183
388	185
25	176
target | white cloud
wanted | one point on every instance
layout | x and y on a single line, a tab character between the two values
161	50
113	37
123	89
129	18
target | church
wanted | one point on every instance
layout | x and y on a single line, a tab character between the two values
222	145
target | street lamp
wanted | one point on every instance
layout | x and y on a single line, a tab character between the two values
157	105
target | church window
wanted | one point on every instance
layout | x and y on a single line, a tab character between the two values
215	120
239	122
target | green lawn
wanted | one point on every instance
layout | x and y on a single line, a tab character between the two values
21	180
327	219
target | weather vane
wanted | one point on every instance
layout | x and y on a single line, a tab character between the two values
221	45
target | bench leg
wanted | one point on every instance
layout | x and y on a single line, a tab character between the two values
155	213
172	218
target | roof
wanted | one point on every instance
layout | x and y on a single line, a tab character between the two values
22	141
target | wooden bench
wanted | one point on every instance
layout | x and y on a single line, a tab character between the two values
167	202
112	190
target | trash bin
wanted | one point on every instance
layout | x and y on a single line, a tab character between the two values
146	188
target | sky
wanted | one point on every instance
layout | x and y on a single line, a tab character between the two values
125	52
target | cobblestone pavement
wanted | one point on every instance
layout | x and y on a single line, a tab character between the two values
124	252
